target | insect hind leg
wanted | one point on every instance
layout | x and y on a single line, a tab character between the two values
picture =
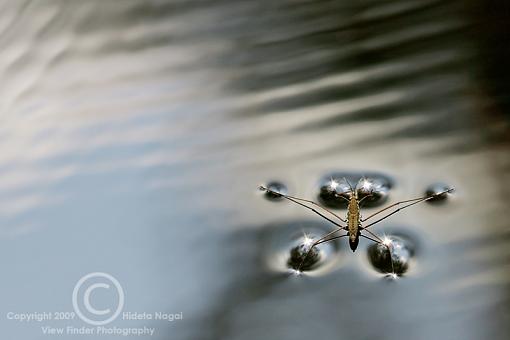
316	243
385	244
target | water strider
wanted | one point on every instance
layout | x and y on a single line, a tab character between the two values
354	220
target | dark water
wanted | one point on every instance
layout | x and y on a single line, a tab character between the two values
134	135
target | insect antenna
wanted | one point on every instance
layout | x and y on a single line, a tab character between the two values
350	185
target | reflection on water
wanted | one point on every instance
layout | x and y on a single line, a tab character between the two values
371	188
285	249
393	256
134	135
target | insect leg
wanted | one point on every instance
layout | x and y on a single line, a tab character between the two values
361	200
371	233
413	202
371	239
329	234
297	201
319	241
391	206
387	247
324	238
330	239
340	196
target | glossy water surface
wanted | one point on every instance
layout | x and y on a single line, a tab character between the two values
134	135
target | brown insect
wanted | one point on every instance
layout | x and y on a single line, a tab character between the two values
353	220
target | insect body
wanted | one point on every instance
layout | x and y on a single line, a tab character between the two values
353	223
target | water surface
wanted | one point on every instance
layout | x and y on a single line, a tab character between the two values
134	135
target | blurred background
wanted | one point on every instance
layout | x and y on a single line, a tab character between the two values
134	135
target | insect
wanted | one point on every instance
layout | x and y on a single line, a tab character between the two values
352	224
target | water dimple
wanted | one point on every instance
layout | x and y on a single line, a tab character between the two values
402	252
303	257
435	189
291	250
275	186
372	188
